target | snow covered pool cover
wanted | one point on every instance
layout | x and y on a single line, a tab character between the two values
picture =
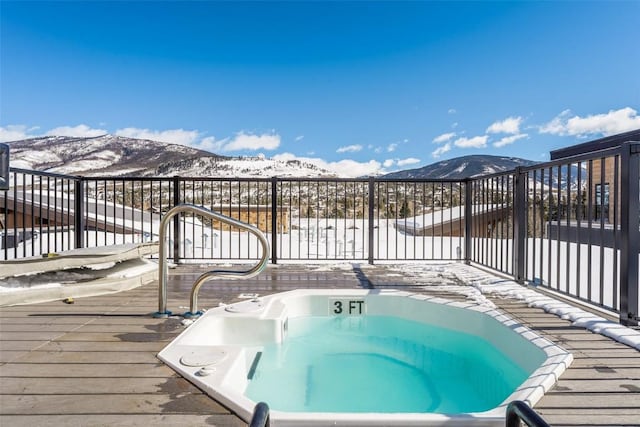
223	351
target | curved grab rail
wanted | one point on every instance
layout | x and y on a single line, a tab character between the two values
260	416
518	410
162	279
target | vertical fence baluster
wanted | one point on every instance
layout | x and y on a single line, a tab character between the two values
274	220
78	213
519	224
370	206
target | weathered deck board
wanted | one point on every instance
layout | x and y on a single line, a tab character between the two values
94	362
219	420
86	370
122	403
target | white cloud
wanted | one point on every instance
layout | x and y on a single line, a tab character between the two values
388	163
378	150
441	150
444	137
452	111
79	131
392	147
475	142
241	141
408	161
299	138
354	169
15	133
557	126
509	140
615	121
209	144
249	141
347	167
350	149
172	136
509	125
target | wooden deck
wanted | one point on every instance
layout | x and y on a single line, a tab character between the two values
94	362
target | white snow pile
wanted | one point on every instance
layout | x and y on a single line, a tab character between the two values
438	277
481	284
53	279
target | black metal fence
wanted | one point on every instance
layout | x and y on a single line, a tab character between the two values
580	221
570	225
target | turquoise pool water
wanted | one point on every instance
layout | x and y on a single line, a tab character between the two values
381	364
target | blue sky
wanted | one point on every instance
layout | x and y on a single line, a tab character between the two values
361	87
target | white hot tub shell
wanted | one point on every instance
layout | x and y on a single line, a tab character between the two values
217	352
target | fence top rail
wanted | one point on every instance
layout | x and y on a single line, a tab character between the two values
267	180
125	178
493	175
375	179
422	180
566	161
42	173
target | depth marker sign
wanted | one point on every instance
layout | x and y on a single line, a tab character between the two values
347	307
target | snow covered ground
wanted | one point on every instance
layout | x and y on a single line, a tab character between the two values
553	264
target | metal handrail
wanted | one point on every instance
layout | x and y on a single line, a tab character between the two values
162	279
260	416
518	410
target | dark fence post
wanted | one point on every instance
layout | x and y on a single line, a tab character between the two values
274	220
78	212
519	224
371	202
468	219
176	221
629	231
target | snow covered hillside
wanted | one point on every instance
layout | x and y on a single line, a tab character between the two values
118	156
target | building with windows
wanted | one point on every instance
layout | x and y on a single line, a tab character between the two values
600	187
600	173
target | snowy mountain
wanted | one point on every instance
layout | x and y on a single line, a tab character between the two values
110	155
478	165
463	167
118	156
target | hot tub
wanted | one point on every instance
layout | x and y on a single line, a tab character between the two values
359	357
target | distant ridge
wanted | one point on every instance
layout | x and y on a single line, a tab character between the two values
105	154
463	167
121	156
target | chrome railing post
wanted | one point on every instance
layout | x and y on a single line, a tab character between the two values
162	263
